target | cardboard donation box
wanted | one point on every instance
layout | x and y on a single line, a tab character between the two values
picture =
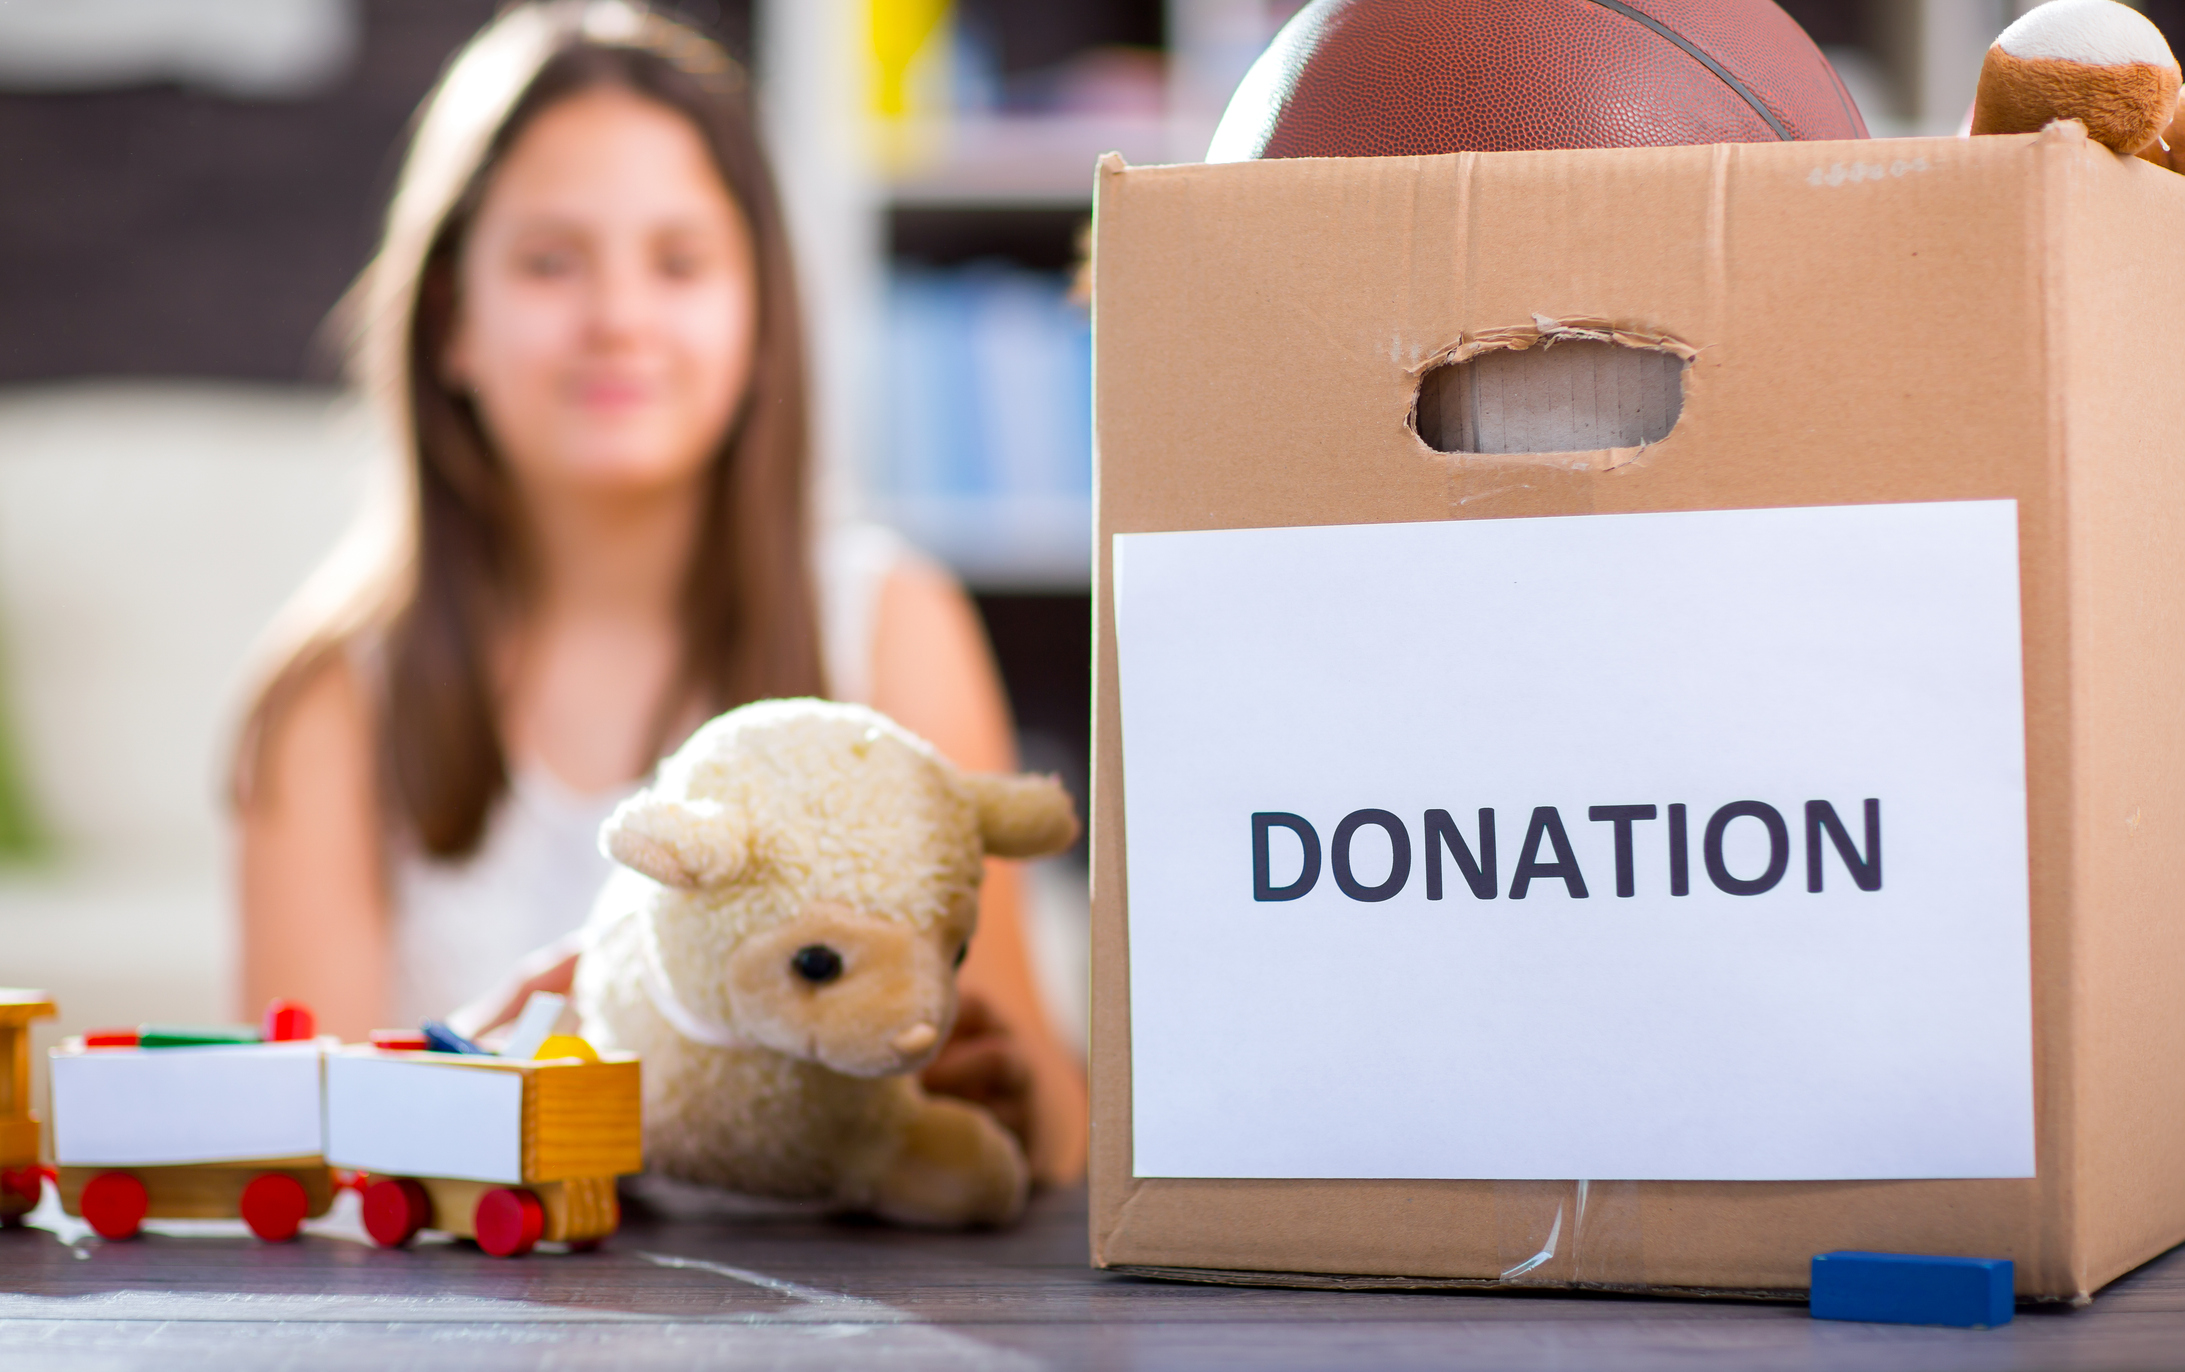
1640	723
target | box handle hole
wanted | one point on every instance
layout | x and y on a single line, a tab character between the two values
1562	396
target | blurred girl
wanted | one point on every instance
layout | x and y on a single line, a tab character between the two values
583	324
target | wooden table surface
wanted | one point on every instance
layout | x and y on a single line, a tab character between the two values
693	1288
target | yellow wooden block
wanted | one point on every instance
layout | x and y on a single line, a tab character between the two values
582	1119
204	1190
565	1046
18	1142
20	1006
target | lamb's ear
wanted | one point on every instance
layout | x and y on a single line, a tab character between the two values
1022	816
686	843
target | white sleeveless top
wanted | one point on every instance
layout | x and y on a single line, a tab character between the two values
461	927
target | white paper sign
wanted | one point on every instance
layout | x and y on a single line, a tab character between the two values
153	1106
1764	680
408	1118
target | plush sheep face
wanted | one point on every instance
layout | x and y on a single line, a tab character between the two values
818	871
864	995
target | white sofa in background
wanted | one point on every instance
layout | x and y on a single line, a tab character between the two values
147	533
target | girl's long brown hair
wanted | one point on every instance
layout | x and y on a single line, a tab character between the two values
422	590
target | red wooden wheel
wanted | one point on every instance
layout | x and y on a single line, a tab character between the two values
395	1208
274	1205
508	1221
113	1204
19	1188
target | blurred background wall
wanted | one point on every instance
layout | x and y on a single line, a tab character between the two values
187	186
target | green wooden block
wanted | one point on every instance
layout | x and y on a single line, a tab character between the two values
195	1035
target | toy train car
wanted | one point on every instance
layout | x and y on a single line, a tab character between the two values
211	1131
22	1169
505	1151
508	1152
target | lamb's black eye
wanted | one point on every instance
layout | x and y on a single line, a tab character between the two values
963	950
816	963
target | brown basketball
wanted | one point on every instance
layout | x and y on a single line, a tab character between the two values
1387	78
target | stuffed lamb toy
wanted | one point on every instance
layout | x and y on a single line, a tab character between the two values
796	891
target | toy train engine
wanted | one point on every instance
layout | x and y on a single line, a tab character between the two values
21	1170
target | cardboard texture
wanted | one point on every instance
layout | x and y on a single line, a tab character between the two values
1907	320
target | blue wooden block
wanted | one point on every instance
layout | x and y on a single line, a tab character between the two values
1912	1288
441	1039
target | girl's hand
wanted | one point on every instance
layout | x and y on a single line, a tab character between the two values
983	1063
552	968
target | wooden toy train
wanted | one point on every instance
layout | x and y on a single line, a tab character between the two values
505	1149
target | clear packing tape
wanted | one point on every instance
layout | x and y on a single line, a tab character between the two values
1565	1233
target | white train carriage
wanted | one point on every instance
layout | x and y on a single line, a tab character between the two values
507	1151
217	1131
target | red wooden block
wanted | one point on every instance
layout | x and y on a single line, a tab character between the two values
110	1038
399	1040
289	1021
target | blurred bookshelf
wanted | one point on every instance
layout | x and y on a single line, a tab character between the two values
981	448
986	456
946	219
1012	161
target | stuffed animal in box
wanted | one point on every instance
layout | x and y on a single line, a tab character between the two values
2095	61
797	890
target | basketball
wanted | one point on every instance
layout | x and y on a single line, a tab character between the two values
1390	78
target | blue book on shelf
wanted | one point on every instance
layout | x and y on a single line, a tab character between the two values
989	391
932	427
